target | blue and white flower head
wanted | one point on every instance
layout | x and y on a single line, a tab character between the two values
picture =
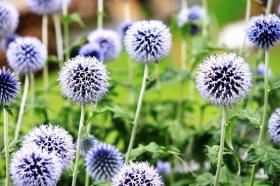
86	145
190	15
9	86
224	79
84	80
137	174
27	55
109	41
124	28
148	41
9	19
103	161
53	140
92	50
163	167
41	7
31	166
274	126
264	31
261	70
5	42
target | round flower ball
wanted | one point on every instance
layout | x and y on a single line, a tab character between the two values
9	86
92	50
27	54
124	28
9	19
86	145
264	31
42	7
137	174
84	80
103	161
32	167
5	42
224	79
190	15
274	126
53	140
148	41
109	42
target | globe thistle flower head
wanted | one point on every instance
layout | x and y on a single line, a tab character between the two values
92	50
27	54
84	80
9	86
42	7
124	28
274	126
196	13
103	161
224	79
109	42
31	166
9	19
137	174
5	42
264	31
148	41
86	145
53	140
261	71
163	167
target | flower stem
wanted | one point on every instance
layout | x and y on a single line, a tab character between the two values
268	7
65	30
22	105
6	144
221	150
58	35
247	18
78	147
138	110
32	90
205	21
100	9
265	107
45	42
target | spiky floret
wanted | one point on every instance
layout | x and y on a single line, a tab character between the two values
109	42
148	41
137	174
27	54
9	19
84	80
41	7
86	145
9	86
274	126
264	31
31	166
53	140
92	50
224	79
103	161
124	28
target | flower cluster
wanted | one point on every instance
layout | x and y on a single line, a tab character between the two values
9	19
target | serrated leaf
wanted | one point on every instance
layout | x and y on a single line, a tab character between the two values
74	17
205	179
10	112
253	116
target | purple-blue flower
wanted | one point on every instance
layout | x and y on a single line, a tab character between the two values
190	15
92	50
261	70
41	7
274	126
124	28
9	19
163	167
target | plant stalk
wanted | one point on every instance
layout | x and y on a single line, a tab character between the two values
45	42
6	144
59	40
247	18
205	21
268	7
65	30
100	12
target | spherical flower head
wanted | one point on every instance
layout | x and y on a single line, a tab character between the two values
103	161
190	15
274	126
9	86
31	166
5	42
224	79
84	80
27	55
9	19
86	145
124	28
42	7
137	174
163	167
261	70
53	140
264	31
92	50
148	41
109	42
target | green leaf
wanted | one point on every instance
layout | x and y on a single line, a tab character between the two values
74	17
205	179
10	112
253	116
213	154
117	111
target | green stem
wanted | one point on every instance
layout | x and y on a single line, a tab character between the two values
6	144
265	107
45	42
58	35
138	111
221	150
247	18
100	12
184	3
65	30
205	21
268	7
22	106
78	147
32	90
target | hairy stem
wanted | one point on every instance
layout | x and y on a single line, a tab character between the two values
6	145
65	30
58	36
45	42
205	21
100	9
268	7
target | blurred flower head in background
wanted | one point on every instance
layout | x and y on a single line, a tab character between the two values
274	126
261	70
9	18
190	15
148	41
27	54
86	145
42	7
9	86
124	28
5	42
92	50
163	167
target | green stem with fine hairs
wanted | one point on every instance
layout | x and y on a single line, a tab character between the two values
268	7
65	30
205	21
32	91
58	36
22	106
6	144
247	18
45	42
78	146
138	111
222	144
100	14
